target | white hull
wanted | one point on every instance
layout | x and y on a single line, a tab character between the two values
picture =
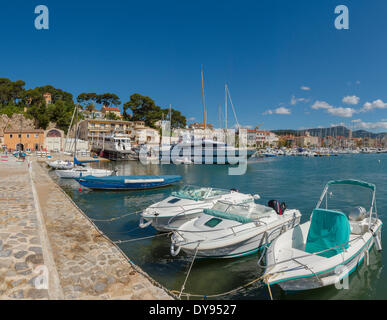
292	276
167	216
243	240
78	172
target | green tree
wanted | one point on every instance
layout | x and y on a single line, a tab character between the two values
178	120
11	92
107	99
143	109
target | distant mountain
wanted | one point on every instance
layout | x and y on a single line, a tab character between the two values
332	131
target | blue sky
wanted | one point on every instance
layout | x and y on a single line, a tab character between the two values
267	51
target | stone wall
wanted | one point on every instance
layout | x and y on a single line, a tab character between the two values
14	123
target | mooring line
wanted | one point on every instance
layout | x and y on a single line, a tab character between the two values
143	238
189	271
115	218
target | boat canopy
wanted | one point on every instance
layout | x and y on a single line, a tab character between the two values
227	215
353	182
76	161
328	229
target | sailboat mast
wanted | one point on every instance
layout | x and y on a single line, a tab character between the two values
76	134
225	113
225	106
204	108
170	123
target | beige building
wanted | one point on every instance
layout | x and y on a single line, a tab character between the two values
105	110
307	140
145	135
92	129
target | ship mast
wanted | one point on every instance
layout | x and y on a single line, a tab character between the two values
204	108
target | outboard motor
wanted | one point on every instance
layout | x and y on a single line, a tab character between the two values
277	206
357	214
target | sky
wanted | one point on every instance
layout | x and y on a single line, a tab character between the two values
285	63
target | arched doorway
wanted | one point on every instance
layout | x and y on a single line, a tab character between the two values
20	147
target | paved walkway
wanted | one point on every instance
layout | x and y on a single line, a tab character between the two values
50	250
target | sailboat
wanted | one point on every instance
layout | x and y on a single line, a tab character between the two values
79	169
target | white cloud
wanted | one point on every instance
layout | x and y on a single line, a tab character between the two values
357	82
371	125
280	110
351	100
321	105
341	124
191	119
294	100
342	112
305	88
339	112
377	104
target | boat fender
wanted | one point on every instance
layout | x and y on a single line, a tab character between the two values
144	224
174	252
378	242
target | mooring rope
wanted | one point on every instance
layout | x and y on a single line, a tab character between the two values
115	218
143	238
189	270
224	293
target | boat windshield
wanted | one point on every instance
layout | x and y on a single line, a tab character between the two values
250	210
199	193
346	197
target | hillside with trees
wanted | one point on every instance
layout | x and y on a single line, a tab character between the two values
16	99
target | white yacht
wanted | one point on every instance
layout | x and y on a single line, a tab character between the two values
203	151
116	142
187	204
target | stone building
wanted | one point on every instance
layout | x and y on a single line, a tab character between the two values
54	139
24	140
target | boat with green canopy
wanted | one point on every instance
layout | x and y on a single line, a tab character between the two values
332	244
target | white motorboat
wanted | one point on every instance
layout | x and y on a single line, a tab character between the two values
187	204
82	171
233	230
331	245
61	164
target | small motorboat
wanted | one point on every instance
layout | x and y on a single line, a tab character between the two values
186	204
331	245
127	182
233	230
82	171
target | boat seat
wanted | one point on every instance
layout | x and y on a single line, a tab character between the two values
328	229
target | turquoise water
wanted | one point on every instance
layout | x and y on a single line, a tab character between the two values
298	181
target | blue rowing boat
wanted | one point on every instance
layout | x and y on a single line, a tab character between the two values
127	182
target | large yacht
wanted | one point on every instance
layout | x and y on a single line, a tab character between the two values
115	142
203	151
